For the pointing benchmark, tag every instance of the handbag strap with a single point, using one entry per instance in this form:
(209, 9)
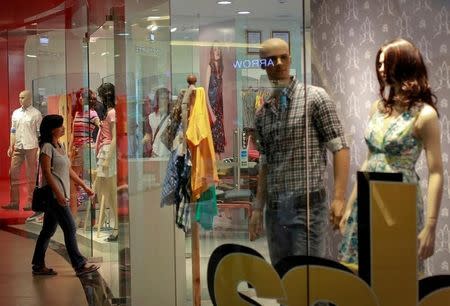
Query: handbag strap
(39, 167)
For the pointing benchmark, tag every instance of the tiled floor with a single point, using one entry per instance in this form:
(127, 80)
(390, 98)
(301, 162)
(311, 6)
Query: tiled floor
(209, 241)
(19, 287)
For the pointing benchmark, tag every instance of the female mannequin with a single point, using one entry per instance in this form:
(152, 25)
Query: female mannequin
(105, 183)
(156, 123)
(82, 141)
(214, 86)
(402, 123)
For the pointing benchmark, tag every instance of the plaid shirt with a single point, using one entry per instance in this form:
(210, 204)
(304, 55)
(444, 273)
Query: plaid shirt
(281, 139)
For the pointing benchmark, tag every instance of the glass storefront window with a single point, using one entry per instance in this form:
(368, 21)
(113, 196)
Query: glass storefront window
(212, 136)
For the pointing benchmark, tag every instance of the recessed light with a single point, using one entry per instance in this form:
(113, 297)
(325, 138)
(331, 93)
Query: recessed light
(123, 34)
(155, 10)
(243, 12)
(31, 55)
(152, 27)
(150, 18)
(104, 53)
(173, 29)
(223, 2)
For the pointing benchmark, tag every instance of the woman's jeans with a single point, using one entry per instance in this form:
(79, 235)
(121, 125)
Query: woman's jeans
(286, 225)
(57, 214)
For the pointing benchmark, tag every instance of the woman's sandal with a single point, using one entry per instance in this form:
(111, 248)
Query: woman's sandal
(44, 271)
(86, 270)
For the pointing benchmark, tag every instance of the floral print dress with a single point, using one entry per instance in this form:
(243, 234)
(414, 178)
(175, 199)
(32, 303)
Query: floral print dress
(392, 148)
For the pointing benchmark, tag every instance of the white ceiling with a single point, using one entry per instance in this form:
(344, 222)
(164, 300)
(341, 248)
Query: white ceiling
(271, 9)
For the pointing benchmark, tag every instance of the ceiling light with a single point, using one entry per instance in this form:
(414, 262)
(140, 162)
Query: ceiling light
(123, 34)
(155, 10)
(104, 53)
(31, 55)
(173, 29)
(152, 27)
(243, 12)
(223, 2)
(150, 18)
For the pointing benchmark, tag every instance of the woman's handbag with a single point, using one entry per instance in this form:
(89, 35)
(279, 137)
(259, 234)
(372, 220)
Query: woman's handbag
(42, 196)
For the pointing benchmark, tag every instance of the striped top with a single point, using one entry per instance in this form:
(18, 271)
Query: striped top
(83, 127)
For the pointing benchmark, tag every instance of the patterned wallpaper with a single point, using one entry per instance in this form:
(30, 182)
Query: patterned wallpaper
(346, 35)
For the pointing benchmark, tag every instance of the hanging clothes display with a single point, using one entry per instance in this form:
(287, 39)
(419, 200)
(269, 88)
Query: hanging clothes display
(200, 143)
(215, 97)
(248, 103)
(168, 135)
(207, 208)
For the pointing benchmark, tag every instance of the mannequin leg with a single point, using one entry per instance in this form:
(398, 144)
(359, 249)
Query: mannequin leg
(86, 217)
(112, 195)
(101, 216)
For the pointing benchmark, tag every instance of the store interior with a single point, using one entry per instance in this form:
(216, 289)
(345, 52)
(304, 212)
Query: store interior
(156, 46)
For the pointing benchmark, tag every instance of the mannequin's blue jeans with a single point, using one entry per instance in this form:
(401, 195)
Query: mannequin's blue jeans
(286, 225)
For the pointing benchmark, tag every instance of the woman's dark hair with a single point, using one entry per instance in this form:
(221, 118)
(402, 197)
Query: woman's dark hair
(107, 94)
(404, 67)
(48, 124)
(212, 59)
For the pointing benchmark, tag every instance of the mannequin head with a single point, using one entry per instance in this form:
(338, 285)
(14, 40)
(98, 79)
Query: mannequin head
(107, 94)
(276, 50)
(25, 98)
(162, 99)
(216, 58)
(81, 96)
(401, 69)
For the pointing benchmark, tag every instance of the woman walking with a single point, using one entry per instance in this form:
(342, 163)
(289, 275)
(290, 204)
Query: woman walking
(56, 172)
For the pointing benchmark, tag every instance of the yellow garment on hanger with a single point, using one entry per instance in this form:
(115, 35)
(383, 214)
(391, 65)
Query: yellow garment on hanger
(258, 101)
(200, 142)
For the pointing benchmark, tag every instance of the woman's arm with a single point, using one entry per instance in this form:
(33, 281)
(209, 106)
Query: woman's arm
(428, 130)
(74, 176)
(46, 162)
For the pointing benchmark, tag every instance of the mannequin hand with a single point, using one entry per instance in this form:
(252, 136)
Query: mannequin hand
(256, 224)
(336, 212)
(343, 223)
(426, 242)
(61, 199)
(10, 151)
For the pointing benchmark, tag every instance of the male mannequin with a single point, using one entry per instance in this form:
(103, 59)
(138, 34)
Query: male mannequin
(23, 146)
(282, 178)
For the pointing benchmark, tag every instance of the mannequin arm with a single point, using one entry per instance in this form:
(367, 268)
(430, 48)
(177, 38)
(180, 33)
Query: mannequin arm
(341, 164)
(12, 142)
(429, 132)
(351, 201)
(112, 151)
